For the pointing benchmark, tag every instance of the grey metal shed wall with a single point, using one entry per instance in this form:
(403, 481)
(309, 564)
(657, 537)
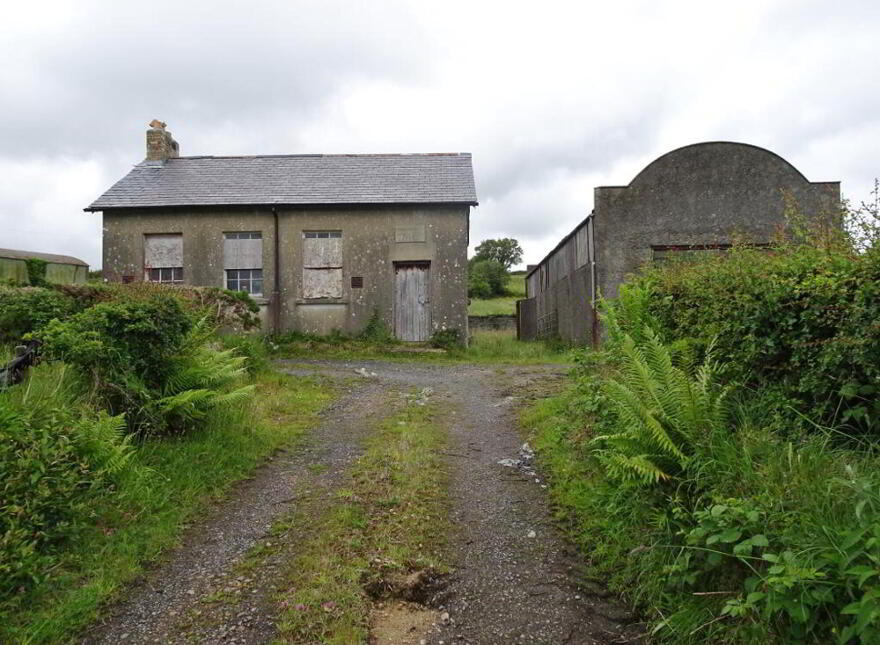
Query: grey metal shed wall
(559, 290)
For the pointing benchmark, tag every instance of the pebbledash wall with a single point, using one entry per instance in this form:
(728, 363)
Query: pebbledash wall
(701, 197)
(370, 250)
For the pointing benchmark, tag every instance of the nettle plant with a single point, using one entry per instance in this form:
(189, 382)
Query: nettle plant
(827, 591)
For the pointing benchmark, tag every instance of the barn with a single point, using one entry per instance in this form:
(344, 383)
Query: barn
(693, 200)
(54, 268)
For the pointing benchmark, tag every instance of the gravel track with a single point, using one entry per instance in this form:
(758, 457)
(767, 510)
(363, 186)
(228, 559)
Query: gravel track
(514, 575)
(514, 578)
(173, 602)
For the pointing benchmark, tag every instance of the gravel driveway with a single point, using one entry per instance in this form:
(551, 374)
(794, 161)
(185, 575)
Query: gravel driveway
(513, 573)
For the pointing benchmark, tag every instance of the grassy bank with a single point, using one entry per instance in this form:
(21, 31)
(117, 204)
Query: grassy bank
(165, 485)
(504, 305)
(384, 525)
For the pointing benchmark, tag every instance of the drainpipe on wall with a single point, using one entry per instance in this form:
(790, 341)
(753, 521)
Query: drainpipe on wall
(276, 289)
(591, 242)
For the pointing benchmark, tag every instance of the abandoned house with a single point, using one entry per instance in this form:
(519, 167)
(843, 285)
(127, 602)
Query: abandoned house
(59, 269)
(693, 200)
(321, 242)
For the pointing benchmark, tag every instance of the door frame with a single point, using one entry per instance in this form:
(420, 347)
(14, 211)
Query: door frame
(426, 264)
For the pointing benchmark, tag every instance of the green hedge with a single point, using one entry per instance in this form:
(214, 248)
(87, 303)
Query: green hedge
(800, 322)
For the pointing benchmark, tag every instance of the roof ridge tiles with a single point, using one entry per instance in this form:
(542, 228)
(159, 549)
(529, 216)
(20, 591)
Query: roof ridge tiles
(326, 155)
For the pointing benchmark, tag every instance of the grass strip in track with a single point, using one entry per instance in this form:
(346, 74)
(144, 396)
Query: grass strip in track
(385, 524)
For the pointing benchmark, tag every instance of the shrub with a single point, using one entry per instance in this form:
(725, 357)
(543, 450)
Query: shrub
(148, 360)
(797, 320)
(56, 459)
(746, 527)
(29, 309)
(113, 342)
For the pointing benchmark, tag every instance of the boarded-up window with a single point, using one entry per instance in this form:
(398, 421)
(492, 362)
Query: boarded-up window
(243, 261)
(163, 257)
(243, 250)
(687, 252)
(322, 264)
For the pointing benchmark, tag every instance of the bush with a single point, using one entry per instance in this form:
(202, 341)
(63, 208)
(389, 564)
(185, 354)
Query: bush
(800, 321)
(56, 459)
(148, 360)
(747, 535)
(29, 309)
(486, 278)
(726, 523)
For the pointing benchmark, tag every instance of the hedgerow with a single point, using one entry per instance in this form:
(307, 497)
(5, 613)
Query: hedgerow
(802, 323)
(121, 365)
(717, 458)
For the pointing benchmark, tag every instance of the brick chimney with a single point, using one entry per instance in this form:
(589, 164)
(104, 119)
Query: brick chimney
(160, 144)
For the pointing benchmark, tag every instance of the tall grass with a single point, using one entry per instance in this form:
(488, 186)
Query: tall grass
(169, 481)
(502, 346)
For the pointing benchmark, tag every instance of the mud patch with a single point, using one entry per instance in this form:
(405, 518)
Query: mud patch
(401, 623)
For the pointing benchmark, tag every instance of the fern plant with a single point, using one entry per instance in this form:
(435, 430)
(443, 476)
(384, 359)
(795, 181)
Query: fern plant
(659, 409)
(200, 380)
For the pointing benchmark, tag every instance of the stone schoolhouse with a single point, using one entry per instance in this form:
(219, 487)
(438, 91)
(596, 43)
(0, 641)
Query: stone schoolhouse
(321, 242)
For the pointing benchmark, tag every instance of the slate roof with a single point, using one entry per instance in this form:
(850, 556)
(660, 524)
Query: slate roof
(295, 179)
(48, 257)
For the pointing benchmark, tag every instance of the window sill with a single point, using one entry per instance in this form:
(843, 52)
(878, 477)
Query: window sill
(320, 301)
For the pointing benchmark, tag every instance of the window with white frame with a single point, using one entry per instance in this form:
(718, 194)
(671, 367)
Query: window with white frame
(243, 261)
(322, 264)
(163, 258)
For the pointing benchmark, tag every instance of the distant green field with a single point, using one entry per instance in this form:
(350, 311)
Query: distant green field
(506, 305)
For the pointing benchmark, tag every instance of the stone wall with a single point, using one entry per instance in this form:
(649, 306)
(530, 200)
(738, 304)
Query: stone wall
(501, 322)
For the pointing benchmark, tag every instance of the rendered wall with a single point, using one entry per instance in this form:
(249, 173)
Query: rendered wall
(708, 193)
(437, 234)
(705, 194)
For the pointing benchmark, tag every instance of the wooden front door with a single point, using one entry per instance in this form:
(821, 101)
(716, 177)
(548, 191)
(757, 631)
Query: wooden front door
(412, 301)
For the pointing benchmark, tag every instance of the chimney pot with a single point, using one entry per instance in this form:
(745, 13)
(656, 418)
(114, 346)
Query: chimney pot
(160, 144)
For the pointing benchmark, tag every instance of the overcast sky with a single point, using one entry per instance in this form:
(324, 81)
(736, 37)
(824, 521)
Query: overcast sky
(552, 98)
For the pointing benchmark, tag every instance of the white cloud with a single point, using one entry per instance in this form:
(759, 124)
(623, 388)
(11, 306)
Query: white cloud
(552, 98)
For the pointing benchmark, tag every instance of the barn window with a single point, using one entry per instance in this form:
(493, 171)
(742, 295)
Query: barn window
(163, 258)
(243, 261)
(322, 264)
